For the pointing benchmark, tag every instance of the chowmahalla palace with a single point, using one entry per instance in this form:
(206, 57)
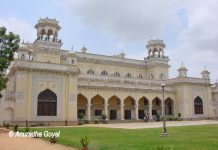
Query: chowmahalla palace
(47, 84)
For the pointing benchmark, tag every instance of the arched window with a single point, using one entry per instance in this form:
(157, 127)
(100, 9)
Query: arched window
(104, 73)
(22, 56)
(139, 76)
(128, 75)
(198, 105)
(90, 71)
(162, 76)
(47, 103)
(151, 76)
(72, 61)
(117, 74)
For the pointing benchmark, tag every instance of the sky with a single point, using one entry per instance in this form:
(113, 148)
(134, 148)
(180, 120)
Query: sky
(188, 28)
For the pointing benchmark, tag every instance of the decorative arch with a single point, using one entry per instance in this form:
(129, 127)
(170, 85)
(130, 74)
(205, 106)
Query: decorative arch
(97, 103)
(114, 107)
(47, 103)
(114, 100)
(117, 74)
(143, 101)
(169, 106)
(143, 110)
(198, 105)
(128, 75)
(104, 73)
(156, 107)
(90, 71)
(82, 102)
(129, 107)
(139, 76)
(129, 101)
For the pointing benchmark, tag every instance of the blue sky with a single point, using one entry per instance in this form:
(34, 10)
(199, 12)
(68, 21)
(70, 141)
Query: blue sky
(189, 29)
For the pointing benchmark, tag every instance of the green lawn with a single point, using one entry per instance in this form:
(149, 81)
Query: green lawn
(203, 137)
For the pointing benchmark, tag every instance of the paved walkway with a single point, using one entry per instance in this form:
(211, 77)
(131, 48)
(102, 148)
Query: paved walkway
(142, 125)
(15, 143)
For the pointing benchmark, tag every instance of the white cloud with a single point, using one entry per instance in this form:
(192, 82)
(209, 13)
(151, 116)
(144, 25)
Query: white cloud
(127, 19)
(25, 30)
(198, 41)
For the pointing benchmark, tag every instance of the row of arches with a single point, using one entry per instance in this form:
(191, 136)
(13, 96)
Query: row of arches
(129, 108)
(114, 107)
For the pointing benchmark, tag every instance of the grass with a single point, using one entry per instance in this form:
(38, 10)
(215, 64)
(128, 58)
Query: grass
(203, 137)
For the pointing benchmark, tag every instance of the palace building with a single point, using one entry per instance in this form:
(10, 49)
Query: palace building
(50, 85)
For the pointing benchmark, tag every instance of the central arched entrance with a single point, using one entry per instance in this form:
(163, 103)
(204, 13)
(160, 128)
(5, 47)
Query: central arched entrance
(169, 107)
(156, 107)
(129, 108)
(114, 108)
(143, 107)
(97, 107)
(47, 103)
(198, 105)
(82, 105)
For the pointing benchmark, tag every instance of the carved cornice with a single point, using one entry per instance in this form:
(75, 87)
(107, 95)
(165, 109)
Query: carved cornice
(109, 60)
(41, 66)
(47, 44)
(188, 80)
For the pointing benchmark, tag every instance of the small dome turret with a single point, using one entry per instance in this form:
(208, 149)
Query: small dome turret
(182, 71)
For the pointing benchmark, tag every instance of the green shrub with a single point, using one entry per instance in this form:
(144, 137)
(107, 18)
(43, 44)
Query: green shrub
(158, 117)
(84, 142)
(179, 115)
(80, 116)
(80, 123)
(96, 121)
(86, 122)
(16, 127)
(26, 129)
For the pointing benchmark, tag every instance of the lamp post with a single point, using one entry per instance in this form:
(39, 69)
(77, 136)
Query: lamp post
(164, 131)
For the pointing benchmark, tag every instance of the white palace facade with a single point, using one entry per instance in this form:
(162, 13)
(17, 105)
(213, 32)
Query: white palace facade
(50, 85)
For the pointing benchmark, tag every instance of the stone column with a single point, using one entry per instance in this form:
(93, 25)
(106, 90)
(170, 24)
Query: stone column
(121, 111)
(106, 110)
(150, 112)
(136, 111)
(89, 110)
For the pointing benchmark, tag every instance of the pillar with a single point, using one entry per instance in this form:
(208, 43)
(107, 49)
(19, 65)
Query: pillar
(106, 110)
(150, 112)
(136, 111)
(121, 111)
(89, 110)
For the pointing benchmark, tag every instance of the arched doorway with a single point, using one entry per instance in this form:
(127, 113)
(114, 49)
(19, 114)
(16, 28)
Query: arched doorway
(82, 105)
(156, 107)
(129, 108)
(97, 107)
(198, 105)
(114, 108)
(47, 103)
(169, 106)
(143, 107)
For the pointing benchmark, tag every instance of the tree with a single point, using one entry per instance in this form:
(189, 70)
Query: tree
(9, 43)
